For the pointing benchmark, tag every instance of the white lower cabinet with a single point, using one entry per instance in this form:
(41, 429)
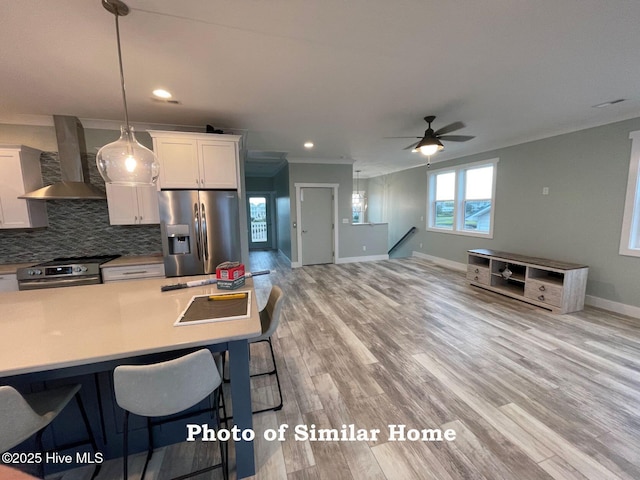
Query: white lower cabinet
(132, 205)
(132, 272)
(8, 282)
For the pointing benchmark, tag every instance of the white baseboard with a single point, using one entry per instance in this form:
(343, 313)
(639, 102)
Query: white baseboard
(442, 261)
(610, 305)
(367, 258)
(364, 258)
(285, 256)
(617, 307)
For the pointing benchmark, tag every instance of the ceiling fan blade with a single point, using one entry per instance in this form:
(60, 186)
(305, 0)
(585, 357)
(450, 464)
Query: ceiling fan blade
(455, 138)
(401, 137)
(412, 146)
(450, 128)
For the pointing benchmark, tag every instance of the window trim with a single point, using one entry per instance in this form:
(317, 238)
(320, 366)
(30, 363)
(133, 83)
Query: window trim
(458, 202)
(631, 216)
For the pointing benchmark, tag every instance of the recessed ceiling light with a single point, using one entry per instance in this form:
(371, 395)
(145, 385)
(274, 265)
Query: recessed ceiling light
(160, 93)
(308, 145)
(606, 104)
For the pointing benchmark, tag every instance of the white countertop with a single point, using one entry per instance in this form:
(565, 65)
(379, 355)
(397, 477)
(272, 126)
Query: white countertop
(62, 327)
(11, 268)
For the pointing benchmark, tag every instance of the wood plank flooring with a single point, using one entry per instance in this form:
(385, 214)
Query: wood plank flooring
(530, 394)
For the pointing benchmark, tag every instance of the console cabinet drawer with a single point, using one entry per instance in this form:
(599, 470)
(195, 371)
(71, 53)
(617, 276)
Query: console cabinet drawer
(476, 273)
(543, 292)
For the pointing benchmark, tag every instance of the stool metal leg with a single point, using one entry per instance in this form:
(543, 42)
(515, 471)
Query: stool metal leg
(92, 438)
(272, 372)
(125, 446)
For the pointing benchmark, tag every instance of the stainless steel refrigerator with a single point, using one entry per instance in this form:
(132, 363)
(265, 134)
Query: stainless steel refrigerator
(200, 229)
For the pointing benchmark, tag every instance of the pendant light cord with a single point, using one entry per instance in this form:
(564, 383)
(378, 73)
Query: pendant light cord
(124, 97)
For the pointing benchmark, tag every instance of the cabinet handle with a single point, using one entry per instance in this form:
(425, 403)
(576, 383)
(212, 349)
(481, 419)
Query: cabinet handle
(475, 278)
(140, 218)
(542, 289)
(541, 298)
(135, 219)
(139, 272)
(477, 271)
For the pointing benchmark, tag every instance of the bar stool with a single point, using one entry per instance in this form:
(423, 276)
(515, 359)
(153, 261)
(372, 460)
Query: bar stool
(269, 320)
(22, 416)
(168, 388)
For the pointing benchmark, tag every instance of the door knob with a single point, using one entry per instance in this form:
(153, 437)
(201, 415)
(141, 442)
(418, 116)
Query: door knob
(304, 231)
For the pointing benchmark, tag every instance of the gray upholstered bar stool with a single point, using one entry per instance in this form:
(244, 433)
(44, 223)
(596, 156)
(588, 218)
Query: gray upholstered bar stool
(168, 388)
(22, 416)
(269, 319)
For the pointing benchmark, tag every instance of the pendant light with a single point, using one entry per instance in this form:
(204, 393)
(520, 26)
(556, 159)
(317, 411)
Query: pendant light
(125, 161)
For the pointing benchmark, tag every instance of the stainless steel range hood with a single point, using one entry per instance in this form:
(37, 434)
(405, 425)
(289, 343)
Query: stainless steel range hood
(73, 165)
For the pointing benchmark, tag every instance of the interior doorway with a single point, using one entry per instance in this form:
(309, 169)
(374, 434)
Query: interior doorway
(259, 214)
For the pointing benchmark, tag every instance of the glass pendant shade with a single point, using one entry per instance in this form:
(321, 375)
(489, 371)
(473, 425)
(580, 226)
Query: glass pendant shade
(428, 149)
(429, 145)
(127, 162)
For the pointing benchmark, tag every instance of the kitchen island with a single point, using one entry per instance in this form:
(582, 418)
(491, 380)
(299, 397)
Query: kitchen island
(85, 331)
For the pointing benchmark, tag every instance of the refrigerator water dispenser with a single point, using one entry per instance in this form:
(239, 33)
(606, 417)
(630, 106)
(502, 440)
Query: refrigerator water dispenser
(179, 239)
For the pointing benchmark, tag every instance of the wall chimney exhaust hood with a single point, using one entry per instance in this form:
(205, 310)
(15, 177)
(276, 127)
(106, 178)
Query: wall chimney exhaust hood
(73, 165)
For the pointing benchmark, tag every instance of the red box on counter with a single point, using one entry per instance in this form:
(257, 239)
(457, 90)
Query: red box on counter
(230, 271)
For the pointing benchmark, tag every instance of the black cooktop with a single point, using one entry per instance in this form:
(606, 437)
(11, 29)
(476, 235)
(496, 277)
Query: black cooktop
(99, 259)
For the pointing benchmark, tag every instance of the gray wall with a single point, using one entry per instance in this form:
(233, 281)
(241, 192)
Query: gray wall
(44, 138)
(259, 184)
(350, 243)
(579, 221)
(283, 214)
(364, 235)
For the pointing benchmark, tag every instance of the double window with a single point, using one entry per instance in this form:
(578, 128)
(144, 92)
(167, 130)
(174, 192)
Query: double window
(461, 199)
(630, 241)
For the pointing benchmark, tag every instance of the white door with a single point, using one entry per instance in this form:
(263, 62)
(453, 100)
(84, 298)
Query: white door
(316, 218)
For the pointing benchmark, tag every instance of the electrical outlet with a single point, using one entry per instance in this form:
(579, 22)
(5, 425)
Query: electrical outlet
(364, 248)
(420, 245)
(545, 190)
(345, 220)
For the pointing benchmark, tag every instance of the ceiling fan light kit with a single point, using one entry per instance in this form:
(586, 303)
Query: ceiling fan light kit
(430, 143)
(125, 161)
(429, 146)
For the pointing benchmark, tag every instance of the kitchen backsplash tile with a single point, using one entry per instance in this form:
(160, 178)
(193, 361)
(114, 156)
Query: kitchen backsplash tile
(76, 227)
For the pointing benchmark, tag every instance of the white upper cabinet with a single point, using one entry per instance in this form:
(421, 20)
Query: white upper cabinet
(132, 205)
(196, 160)
(21, 173)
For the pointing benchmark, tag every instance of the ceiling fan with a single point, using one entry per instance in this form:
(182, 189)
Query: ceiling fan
(431, 142)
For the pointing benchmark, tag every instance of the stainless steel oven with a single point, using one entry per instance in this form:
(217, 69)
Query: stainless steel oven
(62, 272)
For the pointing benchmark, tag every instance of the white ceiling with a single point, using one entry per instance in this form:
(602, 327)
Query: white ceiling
(343, 74)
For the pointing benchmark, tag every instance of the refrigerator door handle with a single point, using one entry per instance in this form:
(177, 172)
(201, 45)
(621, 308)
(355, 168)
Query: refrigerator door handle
(196, 221)
(205, 236)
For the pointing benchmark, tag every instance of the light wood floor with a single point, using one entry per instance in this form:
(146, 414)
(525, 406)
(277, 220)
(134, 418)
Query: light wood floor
(530, 395)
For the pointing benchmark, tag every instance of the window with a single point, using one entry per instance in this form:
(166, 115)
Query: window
(630, 240)
(358, 206)
(461, 199)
